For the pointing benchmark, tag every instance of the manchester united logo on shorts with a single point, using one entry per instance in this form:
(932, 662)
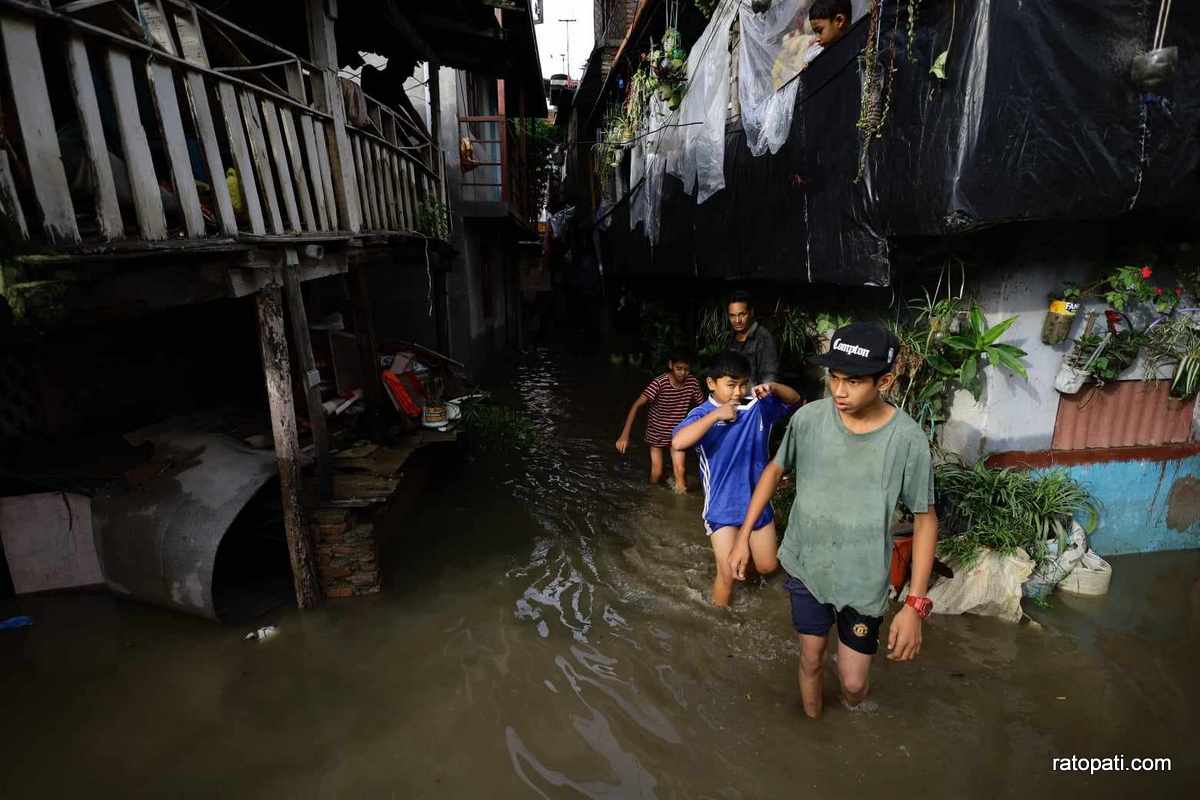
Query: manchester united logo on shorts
(860, 630)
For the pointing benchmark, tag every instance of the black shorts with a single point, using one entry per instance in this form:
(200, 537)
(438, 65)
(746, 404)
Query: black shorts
(814, 618)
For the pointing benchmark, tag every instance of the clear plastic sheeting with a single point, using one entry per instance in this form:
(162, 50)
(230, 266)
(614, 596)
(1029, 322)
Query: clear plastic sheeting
(773, 47)
(776, 46)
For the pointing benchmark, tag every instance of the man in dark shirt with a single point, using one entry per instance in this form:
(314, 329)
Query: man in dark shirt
(752, 340)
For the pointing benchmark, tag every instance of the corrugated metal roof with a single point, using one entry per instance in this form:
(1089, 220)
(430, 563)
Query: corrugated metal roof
(1122, 414)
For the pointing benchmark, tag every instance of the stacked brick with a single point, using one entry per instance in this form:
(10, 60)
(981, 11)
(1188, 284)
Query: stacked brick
(347, 554)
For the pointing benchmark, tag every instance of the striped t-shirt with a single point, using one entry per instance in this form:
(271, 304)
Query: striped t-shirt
(669, 404)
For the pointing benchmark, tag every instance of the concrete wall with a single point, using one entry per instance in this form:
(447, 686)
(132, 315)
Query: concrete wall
(475, 334)
(1149, 504)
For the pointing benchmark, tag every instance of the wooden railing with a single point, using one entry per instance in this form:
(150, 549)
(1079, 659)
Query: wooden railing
(117, 139)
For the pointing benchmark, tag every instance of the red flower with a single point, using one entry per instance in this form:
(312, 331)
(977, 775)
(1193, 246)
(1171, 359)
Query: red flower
(1146, 272)
(1158, 290)
(1179, 291)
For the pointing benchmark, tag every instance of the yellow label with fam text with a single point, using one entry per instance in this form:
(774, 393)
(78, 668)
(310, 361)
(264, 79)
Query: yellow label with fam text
(1065, 307)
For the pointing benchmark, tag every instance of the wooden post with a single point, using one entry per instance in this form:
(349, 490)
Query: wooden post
(277, 369)
(505, 194)
(310, 377)
(327, 95)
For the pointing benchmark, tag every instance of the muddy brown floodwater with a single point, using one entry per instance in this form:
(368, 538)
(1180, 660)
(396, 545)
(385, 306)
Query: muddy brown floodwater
(543, 633)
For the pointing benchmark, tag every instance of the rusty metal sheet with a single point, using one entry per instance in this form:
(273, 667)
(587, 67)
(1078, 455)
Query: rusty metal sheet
(1122, 414)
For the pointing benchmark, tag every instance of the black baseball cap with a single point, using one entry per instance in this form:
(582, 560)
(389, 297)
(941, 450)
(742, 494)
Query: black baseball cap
(860, 348)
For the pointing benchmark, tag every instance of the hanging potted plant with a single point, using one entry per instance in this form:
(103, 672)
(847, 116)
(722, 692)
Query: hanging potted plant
(1175, 341)
(1064, 306)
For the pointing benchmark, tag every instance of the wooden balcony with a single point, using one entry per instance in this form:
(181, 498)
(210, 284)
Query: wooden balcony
(115, 144)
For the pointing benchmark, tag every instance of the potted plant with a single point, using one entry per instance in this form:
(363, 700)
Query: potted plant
(1100, 358)
(1175, 342)
(1064, 306)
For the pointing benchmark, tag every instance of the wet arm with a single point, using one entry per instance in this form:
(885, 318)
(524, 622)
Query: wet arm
(632, 415)
(925, 532)
(763, 493)
(690, 436)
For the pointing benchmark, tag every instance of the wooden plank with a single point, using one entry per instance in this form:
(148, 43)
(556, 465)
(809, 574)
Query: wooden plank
(287, 186)
(108, 209)
(302, 347)
(325, 144)
(394, 181)
(143, 183)
(156, 25)
(10, 204)
(207, 132)
(302, 191)
(389, 186)
(327, 96)
(36, 122)
(389, 127)
(262, 159)
(368, 218)
(295, 81)
(410, 191)
(387, 200)
(406, 217)
(191, 41)
(373, 187)
(167, 102)
(315, 171)
(248, 186)
(277, 371)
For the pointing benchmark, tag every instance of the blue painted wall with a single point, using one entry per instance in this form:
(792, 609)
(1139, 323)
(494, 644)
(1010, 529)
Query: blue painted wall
(1136, 497)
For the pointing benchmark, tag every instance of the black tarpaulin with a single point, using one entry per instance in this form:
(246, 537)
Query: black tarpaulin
(1038, 119)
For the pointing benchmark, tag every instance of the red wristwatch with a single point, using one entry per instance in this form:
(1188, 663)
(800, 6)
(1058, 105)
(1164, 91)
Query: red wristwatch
(922, 605)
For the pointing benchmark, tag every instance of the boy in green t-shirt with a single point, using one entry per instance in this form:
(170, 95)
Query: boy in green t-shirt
(853, 456)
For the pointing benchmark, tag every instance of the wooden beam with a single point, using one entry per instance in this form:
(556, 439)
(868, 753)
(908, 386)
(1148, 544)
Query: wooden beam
(317, 171)
(143, 183)
(278, 374)
(309, 377)
(327, 96)
(10, 204)
(108, 209)
(167, 102)
(38, 133)
(206, 130)
(262, 158)
(287, 188)
(248, 186)
(301, 174)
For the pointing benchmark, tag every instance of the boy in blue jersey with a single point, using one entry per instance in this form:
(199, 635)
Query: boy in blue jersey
(731, 434)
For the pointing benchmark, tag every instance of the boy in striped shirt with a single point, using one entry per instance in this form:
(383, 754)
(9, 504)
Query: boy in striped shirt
(670, 397)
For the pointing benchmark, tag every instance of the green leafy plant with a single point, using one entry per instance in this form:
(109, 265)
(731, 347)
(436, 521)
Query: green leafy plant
(1005, 509)
(933, 362)
(498, 427)
(433, 218)
(1118, 355)
(542, 142)
(712, 331)
(1175, 342)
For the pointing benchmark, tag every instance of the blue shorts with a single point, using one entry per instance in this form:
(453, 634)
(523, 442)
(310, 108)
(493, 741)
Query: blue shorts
(814, 618)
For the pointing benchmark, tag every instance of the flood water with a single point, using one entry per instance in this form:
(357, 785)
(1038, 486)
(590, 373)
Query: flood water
(543, 632)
